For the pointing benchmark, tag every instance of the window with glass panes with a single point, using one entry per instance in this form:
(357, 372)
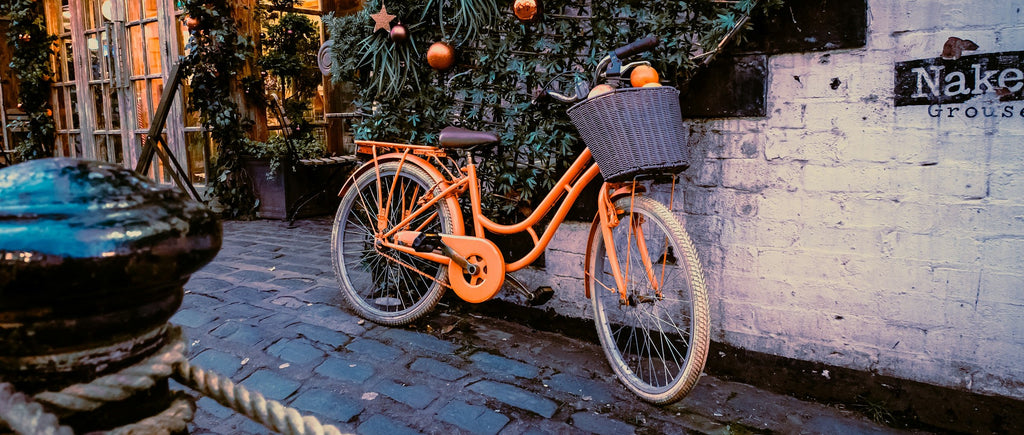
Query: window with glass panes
(111, 61)
(198, 146)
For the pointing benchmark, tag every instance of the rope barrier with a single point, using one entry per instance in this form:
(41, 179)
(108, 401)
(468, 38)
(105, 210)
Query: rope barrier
(121, 385)
(28, 415)
(172, 420)
(24, 416)
(269, 413)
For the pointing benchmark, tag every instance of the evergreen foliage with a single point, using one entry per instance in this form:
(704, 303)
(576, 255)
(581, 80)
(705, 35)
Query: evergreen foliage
(289, 53)
(502, 64)
(32, 47)
(217, 55)
(216, 52)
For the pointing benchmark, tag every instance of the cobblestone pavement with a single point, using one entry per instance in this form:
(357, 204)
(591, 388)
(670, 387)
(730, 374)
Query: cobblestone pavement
(267, 313)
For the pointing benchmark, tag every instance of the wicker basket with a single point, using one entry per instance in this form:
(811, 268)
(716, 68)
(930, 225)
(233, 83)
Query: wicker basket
(633, 131)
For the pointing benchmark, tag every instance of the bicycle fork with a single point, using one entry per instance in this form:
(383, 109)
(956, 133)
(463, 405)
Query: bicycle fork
(609, 219)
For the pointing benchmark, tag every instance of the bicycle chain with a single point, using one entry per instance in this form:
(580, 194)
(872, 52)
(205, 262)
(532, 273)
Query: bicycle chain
(411, 267)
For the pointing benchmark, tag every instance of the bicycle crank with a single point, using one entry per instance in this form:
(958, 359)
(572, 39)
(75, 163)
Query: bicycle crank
(476, 270)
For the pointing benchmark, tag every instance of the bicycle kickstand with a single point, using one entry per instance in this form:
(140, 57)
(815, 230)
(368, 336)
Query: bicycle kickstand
(537, 297)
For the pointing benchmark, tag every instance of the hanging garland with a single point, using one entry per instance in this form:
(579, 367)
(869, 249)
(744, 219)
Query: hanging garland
(216, 52)
(502, 54)
(32, 47)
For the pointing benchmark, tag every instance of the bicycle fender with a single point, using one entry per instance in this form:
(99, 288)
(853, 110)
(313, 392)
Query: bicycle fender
(458, 226)
(595, 231)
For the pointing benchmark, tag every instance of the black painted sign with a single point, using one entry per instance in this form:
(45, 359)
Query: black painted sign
(940, 81)
(736, 86)
(810, 25)
(730, 86)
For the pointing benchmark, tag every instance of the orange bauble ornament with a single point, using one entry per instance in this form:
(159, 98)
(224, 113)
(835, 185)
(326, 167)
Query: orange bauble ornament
(440, 56)
(643, 75)
(526, 10)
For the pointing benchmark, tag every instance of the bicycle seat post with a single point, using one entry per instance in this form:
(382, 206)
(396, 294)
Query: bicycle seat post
(467, 153)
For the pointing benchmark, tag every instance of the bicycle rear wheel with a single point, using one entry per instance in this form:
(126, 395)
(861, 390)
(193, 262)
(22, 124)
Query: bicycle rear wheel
(656, 340)
(384, 285)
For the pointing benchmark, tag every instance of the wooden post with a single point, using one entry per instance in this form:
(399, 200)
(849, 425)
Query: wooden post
(248, 27)
(338, 108)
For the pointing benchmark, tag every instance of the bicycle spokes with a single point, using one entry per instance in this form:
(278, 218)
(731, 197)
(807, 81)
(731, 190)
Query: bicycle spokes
(385, 284)
(654, 328)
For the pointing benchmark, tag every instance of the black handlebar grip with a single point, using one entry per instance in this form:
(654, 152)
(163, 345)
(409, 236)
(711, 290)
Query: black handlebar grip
(636, 47)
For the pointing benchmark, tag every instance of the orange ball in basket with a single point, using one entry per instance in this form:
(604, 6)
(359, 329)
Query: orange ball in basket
(602, 88)
(643, 75)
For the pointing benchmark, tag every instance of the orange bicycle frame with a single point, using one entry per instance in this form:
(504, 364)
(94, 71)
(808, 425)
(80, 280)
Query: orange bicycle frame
(571, 184)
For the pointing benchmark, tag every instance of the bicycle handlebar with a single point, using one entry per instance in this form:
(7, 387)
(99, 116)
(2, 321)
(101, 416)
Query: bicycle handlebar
(636, 47)
(631, 49)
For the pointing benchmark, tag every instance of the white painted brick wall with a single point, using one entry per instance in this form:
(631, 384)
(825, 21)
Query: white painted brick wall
(841, 229)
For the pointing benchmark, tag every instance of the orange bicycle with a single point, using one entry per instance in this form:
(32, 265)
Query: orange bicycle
(399, 241)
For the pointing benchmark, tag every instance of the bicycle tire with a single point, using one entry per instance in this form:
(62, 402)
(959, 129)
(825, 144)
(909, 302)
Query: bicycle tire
(376, 286)
(656, 344)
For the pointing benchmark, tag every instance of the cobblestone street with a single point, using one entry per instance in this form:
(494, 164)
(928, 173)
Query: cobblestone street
(267, 313)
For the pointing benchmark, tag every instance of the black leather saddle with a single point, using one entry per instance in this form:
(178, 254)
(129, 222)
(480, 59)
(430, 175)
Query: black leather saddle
(455, 137)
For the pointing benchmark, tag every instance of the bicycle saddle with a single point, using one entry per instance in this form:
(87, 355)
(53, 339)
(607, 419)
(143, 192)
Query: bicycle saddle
(455, 137)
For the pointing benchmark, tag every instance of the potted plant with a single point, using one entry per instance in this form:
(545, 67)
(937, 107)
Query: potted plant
(284, 187)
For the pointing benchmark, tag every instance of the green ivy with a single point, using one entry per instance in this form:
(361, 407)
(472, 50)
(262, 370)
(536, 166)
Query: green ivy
(277, 152)
(289, 52)
(502, 64)
(32, 47)
(216, 53)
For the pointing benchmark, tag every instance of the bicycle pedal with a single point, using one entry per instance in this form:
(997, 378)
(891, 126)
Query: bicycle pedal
(541, 296)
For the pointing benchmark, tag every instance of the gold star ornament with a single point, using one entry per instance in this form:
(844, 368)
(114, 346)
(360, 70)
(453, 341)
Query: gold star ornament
(382, 19)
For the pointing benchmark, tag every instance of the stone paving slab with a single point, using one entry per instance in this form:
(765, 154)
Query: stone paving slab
(329, 406)
(267, 314)
(503, 368)
(475, 419)
(517, 397)
(342, 369)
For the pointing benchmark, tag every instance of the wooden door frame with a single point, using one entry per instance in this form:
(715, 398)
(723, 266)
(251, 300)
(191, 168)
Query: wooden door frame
(6, 144)
(79, 50)
(128, 112)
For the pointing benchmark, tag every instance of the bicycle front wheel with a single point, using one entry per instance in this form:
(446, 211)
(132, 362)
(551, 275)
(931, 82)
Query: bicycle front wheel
(656, 337)
(384, 285)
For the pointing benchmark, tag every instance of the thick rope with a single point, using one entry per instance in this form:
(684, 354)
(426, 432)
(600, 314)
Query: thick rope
(24, 416)
(172, 420)
(270, 413)
(121, 385)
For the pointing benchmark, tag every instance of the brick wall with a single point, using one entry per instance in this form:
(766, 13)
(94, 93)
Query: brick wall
(844, 230)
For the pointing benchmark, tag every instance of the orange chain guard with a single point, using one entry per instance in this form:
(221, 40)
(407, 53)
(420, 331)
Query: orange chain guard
(490, 264)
